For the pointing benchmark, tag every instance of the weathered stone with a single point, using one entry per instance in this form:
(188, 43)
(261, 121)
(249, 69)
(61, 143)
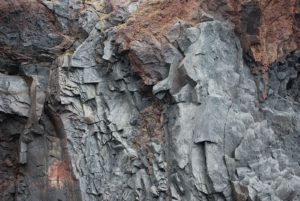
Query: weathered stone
(149, 100)
(85, 55)
(15, 97)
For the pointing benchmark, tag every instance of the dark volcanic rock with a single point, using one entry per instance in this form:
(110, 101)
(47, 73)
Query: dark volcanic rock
(29, 32)
(149, 100)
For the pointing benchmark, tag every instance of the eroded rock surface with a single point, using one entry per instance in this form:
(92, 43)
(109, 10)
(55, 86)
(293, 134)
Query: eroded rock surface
(268, 30)
(149, 100)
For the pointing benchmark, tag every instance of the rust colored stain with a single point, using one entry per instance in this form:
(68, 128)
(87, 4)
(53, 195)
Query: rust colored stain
(268, 29)
(148, 25)
(59, 175)
(150, 128)
(156, 17)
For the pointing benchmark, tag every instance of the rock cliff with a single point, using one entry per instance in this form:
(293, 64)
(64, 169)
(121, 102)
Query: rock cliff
(149, 100)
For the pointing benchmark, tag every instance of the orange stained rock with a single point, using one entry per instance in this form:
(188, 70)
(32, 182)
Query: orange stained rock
(148, 25)
(59, 175)
(157, 16)
(268, 29)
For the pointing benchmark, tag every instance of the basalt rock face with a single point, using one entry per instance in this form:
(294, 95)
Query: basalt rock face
(149, 100)
(268, 30)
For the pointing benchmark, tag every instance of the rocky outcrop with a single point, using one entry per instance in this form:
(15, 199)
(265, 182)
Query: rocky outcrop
(218, 140)
(29, 33)
(268, 30)
(149, 100)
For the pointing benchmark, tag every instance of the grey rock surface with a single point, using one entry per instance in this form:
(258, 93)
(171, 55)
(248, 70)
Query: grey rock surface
(223, 143)
(15, 98)
(83, 125)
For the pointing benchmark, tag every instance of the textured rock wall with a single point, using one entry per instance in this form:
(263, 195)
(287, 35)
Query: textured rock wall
(149, 100)
(268, 29)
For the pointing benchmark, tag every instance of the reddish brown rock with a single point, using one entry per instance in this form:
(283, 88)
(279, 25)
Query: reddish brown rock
(268, 30)
(10, 127)
(59, 175)
(29, 32)
(147, 28)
